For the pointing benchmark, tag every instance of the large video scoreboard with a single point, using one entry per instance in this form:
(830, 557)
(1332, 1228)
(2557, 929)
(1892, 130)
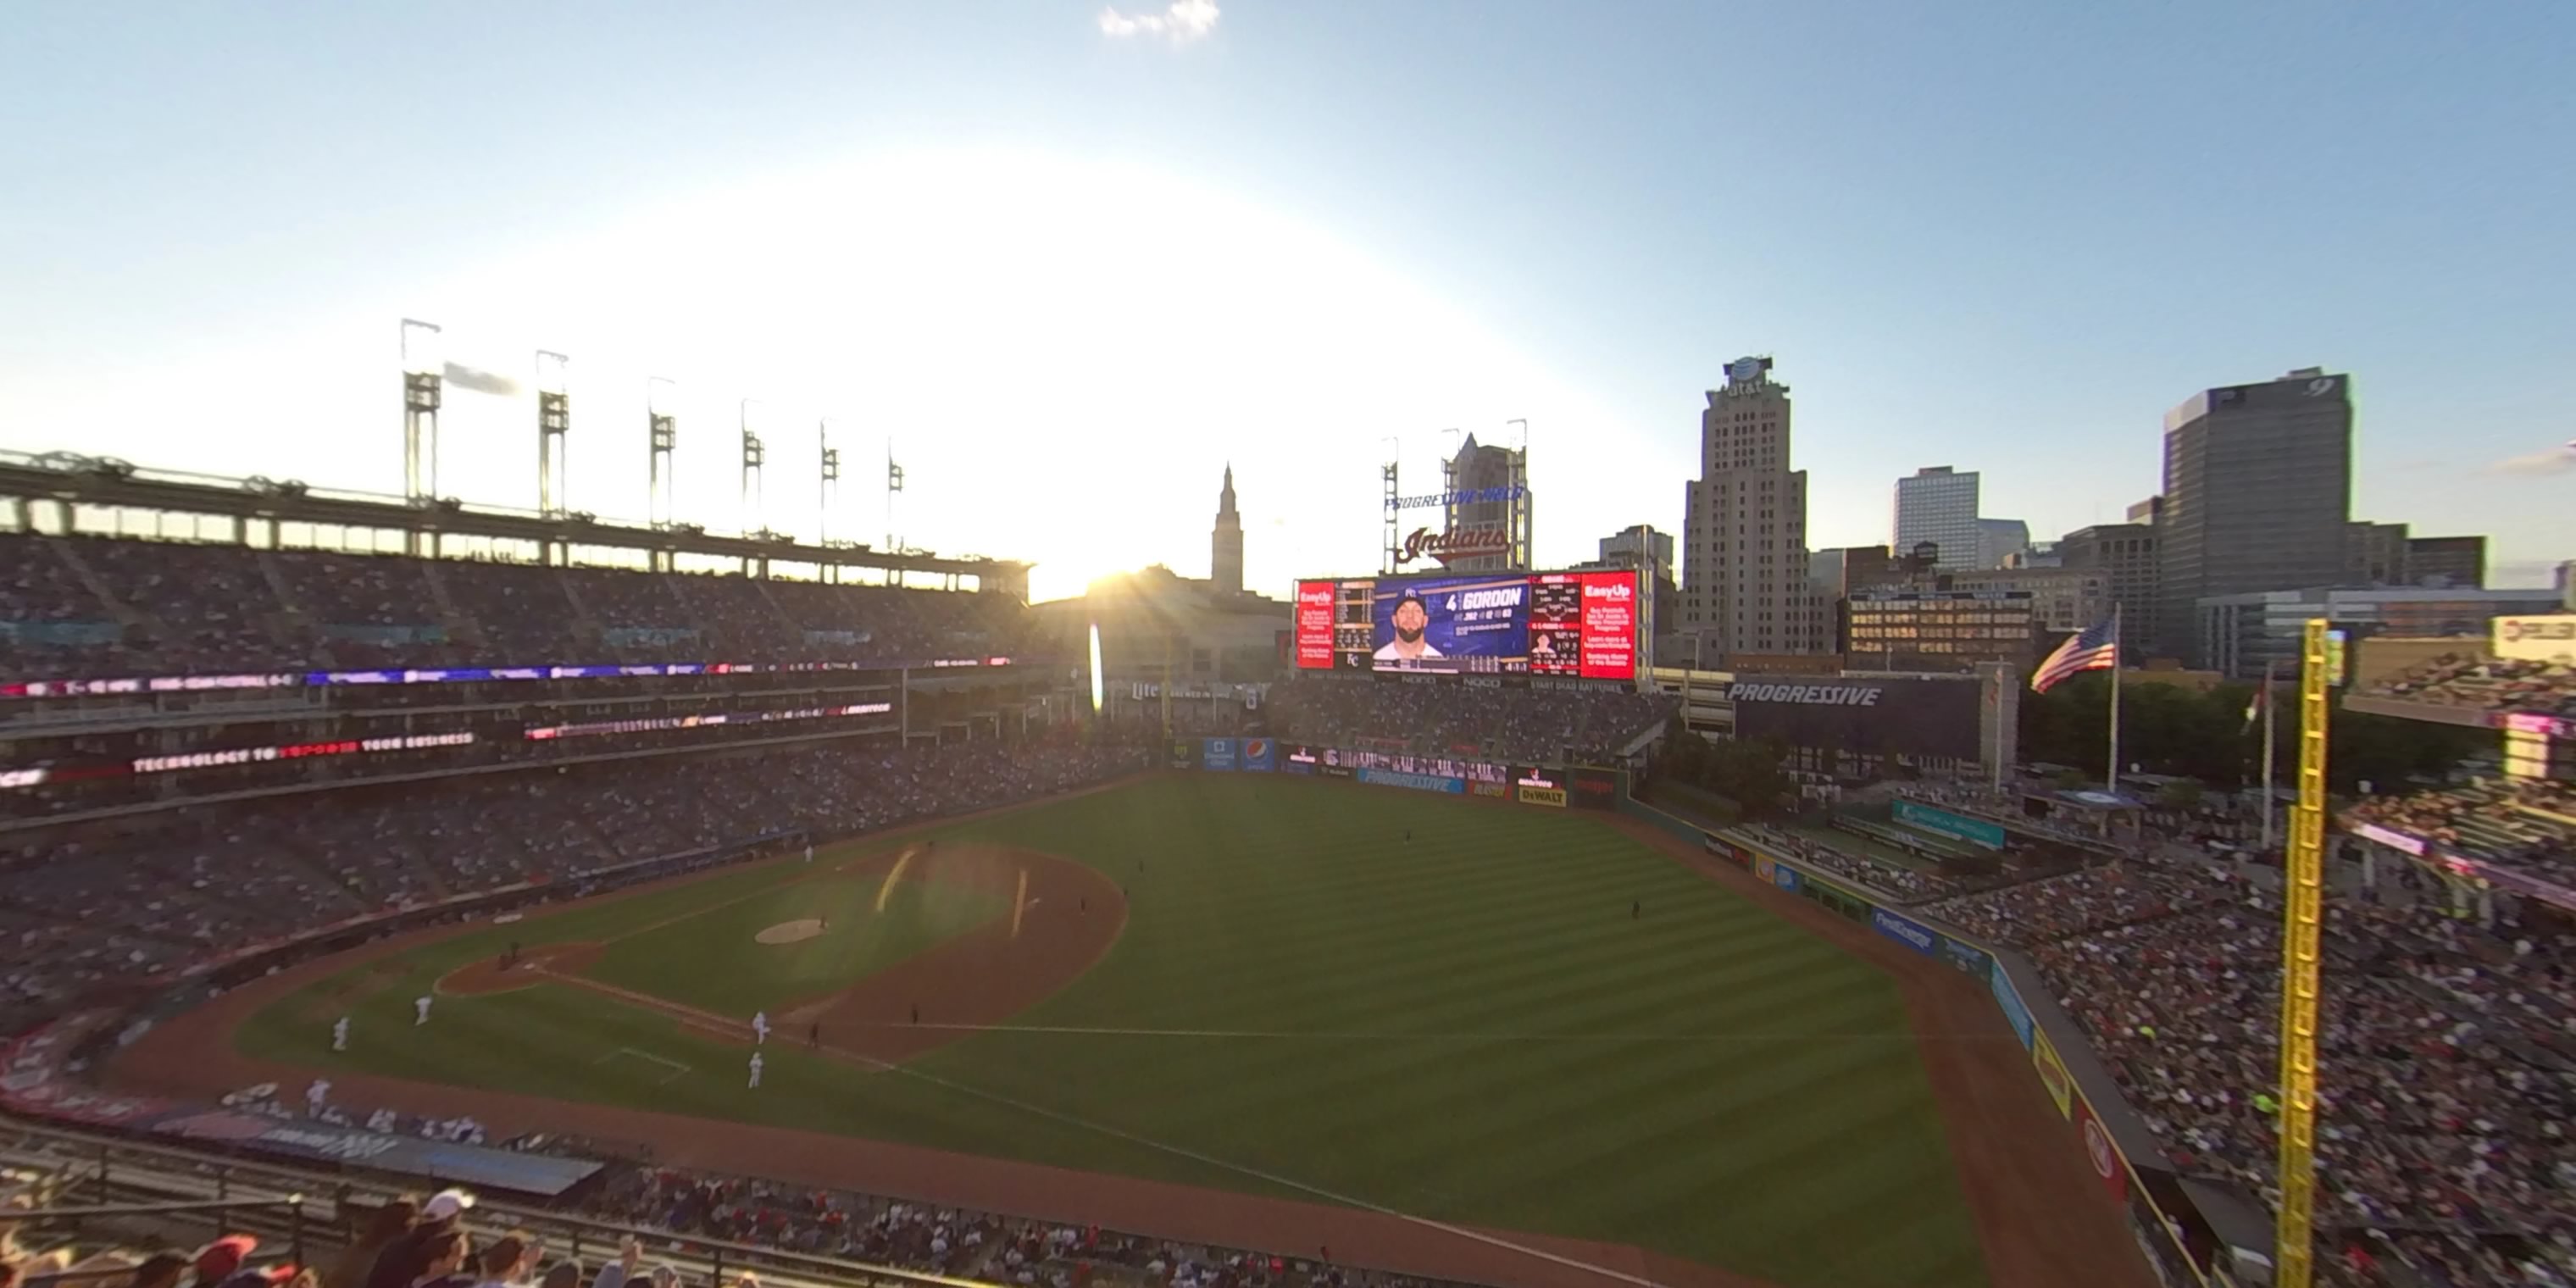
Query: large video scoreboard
(1577, 625)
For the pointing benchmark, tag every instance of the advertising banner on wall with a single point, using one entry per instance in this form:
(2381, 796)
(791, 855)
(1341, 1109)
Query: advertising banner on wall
(1497, 791)
(2052, 1072)
(1968, 958)
(1975, 831)
(1904, 930)
(1417, 782)
(2100, 1152)
(1785, 877)
(1298, 760)
(2015, 1014)
(1259, 755)
(1217, 754)
(2534, 639)
(1862, 715)
(1534, 786)
(1185, 754)
(1593, 788)
(1762, 866)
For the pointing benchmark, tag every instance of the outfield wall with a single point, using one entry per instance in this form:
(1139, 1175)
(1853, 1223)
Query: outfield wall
(2173, 1226)
(1547, 786)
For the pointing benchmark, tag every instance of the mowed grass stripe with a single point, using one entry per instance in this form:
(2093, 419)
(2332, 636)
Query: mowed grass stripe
(1258, 903)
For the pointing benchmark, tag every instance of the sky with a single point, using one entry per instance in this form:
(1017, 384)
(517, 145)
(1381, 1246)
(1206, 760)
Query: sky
(1065, 263)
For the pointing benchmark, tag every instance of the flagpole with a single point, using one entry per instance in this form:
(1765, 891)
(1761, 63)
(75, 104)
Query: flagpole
(2265, 697)
(2111, 781)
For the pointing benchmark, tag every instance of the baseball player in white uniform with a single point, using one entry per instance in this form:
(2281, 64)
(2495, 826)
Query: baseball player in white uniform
(420, 1010)
(755, 1069)
(760, 1028)
(809, 851)
(317, 1095)
(340, 1034)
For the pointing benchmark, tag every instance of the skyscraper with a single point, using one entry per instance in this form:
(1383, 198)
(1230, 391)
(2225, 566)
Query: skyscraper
(1498, 472)
(1225, 543)
(2127, 552)
(1939, 505)
(1744, 535)
(2258, 496)
(1999, 540)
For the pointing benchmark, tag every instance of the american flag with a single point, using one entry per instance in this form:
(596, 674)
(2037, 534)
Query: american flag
(2096, 649)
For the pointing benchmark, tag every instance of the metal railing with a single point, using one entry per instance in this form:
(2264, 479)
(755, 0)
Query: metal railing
(132, 1179)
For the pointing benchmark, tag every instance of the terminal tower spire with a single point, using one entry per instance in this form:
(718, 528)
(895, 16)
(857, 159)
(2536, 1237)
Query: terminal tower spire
(1225, 544)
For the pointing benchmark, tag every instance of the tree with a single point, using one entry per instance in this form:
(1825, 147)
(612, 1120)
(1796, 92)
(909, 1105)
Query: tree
(2181, 793)
(2169, 729)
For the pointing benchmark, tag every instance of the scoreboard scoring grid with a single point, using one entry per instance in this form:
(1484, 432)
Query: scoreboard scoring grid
(1576, 625)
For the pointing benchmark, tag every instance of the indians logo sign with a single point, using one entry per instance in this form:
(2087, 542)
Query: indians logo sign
(1470, 543)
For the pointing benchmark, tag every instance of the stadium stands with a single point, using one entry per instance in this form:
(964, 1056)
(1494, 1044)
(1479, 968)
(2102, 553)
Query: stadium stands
(95, 606)
(2529, 824)
(2443, 1143)
(1533, 726)
(2486, 684)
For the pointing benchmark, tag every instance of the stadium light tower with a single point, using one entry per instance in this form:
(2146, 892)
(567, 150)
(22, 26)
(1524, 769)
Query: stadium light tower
(829, 487)
(424, 371)
(894, 484)
(1524, 546)
(754, 458)
(554, 422)
(1388, 539)
(662, 436)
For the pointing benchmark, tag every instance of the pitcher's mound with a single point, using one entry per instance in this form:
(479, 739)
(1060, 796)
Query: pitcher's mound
(788, 932)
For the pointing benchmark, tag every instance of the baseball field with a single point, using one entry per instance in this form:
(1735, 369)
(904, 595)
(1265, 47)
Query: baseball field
(1448, 1011)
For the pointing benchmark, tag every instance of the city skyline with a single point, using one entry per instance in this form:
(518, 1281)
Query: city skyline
(1046, 258)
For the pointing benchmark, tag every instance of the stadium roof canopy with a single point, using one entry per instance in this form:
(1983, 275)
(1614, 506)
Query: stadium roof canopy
(76, 480)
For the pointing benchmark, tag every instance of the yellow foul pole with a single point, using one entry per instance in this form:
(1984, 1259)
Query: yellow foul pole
(2293, 1257)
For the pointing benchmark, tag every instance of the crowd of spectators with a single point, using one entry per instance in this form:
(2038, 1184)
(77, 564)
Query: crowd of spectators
(97, 606)
(960, 1244)
(402, 1242)
(2486, 684)
(2528, 824)
(2450, 1078)
(1529, 726)
(1899, 883)
(91, 906)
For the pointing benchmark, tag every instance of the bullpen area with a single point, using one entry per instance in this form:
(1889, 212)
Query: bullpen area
(1530, 1033)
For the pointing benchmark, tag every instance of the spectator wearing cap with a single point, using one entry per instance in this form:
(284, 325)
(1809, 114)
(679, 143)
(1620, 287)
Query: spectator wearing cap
(217, 1261)
(401, 1264)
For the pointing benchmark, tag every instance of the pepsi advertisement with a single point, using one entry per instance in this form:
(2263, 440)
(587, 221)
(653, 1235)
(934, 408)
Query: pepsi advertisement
(1580, 625)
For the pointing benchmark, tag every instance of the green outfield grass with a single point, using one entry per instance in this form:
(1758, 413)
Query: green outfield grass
(1467, 1026)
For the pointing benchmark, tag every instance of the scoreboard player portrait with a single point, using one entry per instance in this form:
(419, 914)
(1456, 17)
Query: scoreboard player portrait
(1411, 622)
